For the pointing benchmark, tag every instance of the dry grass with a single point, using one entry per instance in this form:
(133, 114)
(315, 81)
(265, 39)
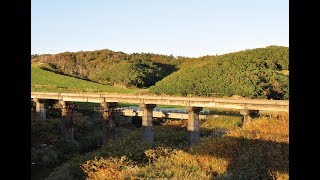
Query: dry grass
(259, 150)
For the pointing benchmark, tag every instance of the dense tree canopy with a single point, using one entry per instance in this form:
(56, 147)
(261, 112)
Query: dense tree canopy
(255, 73)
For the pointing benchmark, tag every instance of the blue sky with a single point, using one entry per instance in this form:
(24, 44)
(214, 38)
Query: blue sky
(179, 27)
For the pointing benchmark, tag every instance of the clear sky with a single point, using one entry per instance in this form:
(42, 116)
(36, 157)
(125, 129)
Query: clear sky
(179, 27)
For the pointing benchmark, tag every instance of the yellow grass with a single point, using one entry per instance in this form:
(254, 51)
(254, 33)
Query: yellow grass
(259, 150)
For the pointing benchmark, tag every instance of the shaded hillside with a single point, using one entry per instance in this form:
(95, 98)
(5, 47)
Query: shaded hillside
(256, 73)
(42, 80)
(109, 67)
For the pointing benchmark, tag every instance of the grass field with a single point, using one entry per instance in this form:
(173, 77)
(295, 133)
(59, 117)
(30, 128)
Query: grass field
(42, 80)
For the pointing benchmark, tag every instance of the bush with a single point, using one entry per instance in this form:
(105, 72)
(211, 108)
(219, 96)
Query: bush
(110, 168)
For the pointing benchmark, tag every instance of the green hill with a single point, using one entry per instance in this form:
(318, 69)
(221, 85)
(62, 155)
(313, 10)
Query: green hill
(42, 80)
(256, 73)
(109, 67)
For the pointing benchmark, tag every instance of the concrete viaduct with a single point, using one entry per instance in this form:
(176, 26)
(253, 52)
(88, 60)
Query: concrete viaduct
(109, 102)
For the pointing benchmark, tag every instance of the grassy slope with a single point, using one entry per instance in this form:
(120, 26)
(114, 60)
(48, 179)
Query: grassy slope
(42, 80)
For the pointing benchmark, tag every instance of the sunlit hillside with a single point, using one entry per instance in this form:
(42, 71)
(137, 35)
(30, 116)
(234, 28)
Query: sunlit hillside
(42, 80)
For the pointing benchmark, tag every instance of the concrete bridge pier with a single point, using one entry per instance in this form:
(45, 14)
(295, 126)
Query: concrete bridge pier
(40, 110)
(248, 115)
(193, 124)
(129, 119)
(67, 120)
(147, 130)
(109, 126)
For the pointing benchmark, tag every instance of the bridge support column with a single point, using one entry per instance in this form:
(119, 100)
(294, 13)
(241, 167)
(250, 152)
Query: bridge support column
(109, 125)
(147, 130)
(193, 124)
(129, 119)
(67, 120)
(40, 110)
(248, 115)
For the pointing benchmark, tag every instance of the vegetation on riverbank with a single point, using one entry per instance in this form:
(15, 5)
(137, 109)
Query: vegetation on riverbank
(259, 150)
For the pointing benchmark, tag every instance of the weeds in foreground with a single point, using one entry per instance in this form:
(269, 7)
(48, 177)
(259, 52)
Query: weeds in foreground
(259, 150)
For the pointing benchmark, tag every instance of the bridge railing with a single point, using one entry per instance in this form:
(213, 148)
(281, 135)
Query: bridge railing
(209, 102)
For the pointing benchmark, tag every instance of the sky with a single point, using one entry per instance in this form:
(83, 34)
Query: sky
(190, 28)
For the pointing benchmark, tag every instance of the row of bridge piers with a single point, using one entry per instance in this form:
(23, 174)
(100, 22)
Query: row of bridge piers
(108, 111)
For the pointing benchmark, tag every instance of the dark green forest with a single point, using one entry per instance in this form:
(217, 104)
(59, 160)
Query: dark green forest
(257, 73)
(254, 73)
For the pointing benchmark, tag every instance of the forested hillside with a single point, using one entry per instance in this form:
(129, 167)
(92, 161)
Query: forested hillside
(256, 73)
(109, 67)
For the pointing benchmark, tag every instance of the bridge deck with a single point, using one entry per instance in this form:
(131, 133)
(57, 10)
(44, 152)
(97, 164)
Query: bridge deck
(227, 103)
